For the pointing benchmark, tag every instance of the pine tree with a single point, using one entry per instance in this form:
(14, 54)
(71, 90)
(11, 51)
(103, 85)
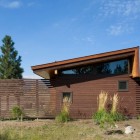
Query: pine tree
(10, 62)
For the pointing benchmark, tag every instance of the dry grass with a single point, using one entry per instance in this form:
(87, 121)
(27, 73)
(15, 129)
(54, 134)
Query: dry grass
(50, 130)
(66, 105)
(102, 100)
(64, 115)
(115, 101)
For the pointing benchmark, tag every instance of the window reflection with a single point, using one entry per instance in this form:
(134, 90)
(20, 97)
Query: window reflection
(115, 67)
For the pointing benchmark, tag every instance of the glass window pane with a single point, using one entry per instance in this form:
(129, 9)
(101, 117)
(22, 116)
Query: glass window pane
(114, 67)
(123, 85)
(67, 97)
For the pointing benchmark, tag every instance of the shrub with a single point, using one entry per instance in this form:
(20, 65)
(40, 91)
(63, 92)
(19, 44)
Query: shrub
(117, 116)
(100, 117)
(64, 115)
(17, 112)
(138, 117)
(104, 117)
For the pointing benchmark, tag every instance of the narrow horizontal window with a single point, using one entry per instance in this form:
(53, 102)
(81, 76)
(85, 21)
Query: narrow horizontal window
(114, 67)
(122, 85)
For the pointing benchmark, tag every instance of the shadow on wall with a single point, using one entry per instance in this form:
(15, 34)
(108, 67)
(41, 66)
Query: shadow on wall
(73, 79)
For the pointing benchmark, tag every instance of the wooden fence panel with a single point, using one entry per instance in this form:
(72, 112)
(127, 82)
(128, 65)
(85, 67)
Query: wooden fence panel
(33, 96)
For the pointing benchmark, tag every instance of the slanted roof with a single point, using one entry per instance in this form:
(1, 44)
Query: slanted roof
(48, 70)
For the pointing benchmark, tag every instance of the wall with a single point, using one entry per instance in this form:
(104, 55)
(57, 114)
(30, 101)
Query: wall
(86, 88)
(35, 97)
(138, 96)
(40, 98)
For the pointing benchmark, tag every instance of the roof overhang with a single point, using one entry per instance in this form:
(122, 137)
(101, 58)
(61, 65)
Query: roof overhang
(50, 69)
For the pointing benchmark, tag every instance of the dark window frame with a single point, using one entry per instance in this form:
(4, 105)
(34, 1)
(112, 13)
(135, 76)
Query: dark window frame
(125, 89)
(67, 92)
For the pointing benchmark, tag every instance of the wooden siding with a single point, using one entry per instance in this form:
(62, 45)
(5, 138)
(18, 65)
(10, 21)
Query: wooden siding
(43, 99)
(138, 96)
(86, 88)
(35, 97)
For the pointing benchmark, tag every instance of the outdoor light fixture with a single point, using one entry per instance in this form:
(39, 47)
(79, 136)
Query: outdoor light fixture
(55, 72)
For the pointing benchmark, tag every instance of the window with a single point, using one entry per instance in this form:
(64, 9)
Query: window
(122, 85)
(113, 67)
(67, 97)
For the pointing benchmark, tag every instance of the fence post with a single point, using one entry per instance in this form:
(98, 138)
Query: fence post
(37, 99)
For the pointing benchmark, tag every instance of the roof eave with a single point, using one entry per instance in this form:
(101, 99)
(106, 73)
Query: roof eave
(47, 70)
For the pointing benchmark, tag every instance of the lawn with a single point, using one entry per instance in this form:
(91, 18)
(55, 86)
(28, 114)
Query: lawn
(74, 130)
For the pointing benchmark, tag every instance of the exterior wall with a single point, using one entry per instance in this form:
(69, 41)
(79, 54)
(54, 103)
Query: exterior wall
(86, 88)
(138, 96)
(40, 98)
(35, 97)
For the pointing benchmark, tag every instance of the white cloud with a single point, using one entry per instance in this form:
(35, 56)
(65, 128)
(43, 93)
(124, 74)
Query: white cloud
(86, 39)
(119, 29)
(124, 14)
(10, 4)
(115, 30)
(30, 4)
(121, 7)
(14, 4)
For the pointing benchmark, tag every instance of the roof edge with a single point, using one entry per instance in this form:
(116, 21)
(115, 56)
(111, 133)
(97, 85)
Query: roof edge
(78, 59)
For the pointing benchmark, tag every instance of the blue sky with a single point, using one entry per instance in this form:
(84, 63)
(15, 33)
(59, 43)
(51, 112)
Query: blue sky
(53, 30)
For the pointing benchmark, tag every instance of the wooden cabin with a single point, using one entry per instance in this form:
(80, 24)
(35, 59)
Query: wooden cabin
(82, 79)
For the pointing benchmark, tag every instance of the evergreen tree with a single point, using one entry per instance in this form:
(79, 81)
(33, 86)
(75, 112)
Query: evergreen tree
(104, 68)
(10, 62)
(118, 69)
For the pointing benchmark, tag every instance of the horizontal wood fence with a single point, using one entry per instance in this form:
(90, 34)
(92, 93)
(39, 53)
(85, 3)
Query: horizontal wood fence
(35, 97)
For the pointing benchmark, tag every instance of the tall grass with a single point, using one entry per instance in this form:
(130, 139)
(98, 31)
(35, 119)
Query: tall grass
(104, 117)
(102, 100)
(64, 115)
(114, 111)
(115, 101)
(101, 116)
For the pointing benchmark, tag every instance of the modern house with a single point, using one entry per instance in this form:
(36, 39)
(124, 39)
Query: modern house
(82, 79)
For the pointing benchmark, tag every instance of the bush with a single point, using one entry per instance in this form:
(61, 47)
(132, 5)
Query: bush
(64, 115)
(104, 118)
(117, 116)
(100, 116)
(17, 112)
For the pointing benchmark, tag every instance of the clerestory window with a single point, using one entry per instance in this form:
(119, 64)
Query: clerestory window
(114, 67)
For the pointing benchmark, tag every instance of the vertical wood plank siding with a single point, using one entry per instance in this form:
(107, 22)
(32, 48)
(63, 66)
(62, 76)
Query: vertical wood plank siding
(86, 88)
(35, 97)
